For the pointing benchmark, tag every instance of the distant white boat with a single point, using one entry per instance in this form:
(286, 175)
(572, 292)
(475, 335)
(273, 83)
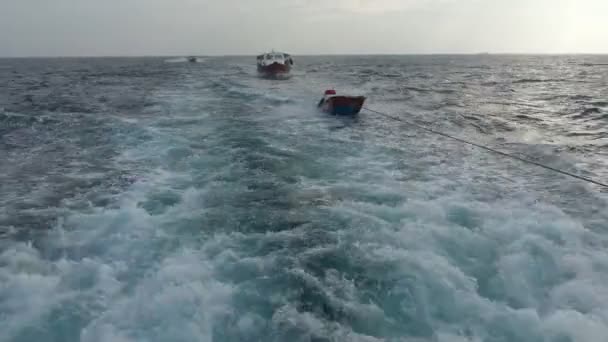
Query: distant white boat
(190, 59)
(274, 64)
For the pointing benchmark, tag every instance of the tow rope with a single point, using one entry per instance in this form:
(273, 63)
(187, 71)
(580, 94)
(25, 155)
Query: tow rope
(489, 149)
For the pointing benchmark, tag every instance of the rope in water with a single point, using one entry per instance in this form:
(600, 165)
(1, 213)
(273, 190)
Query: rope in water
(504, 154)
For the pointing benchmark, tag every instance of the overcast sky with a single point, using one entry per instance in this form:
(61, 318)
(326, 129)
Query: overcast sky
(211, 27)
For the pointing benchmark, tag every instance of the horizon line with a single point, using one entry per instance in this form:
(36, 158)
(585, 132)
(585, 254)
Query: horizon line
(483, 53)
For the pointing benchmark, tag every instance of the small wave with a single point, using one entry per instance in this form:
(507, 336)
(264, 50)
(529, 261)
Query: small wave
(580, 97)
(422, 75)
(276, 99)
(512, 103)
(420, 90)
(587, 112)
(471, 117)
(527, 117)
(424, 90)
(38, 86)
(478, 67)
(577, 98)
(601, 117)
(368, 72)
(391, 75)
(242, 92)
(599, 135)
(537, 80)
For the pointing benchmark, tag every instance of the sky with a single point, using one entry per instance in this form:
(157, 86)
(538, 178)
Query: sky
(246, 27)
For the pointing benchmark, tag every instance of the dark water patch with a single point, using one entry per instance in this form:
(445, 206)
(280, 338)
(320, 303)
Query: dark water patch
(580, 97)
(20, 127)
(502, 126)
(416, 89)
(177, 122)
(485, 125)
(131, 103)
(368, 72)
(527, 117)
(479, 128)
(38, 86)
(471, 117)
(601, 117)
(427, 90)
(452, 103)
(587, 134)
(53, 102)
(477, 67)
(586, 113)
(337, 128)
(600, 136)
(591, 110)
(469, 78)
(8, 119)
(423, 76)
(390, 75)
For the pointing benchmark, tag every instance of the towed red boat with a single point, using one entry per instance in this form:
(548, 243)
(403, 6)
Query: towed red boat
(341, 104)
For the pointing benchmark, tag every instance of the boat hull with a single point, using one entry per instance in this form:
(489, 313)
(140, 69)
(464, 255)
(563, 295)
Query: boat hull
(274, 70)
(343, 105)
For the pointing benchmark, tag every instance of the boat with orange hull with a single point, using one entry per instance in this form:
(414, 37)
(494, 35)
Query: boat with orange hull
(274, 64)
(341, 104)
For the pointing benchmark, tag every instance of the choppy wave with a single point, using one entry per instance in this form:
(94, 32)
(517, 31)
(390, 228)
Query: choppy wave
(589, 112)
(528, 117)
(538, 80)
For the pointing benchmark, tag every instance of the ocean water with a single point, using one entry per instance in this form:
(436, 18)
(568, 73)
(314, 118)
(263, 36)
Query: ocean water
(157, 200)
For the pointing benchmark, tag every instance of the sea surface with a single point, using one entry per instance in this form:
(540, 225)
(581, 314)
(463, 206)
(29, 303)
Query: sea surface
(150, 199)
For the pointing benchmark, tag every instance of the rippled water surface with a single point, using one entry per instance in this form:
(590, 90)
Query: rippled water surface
(154, 200)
